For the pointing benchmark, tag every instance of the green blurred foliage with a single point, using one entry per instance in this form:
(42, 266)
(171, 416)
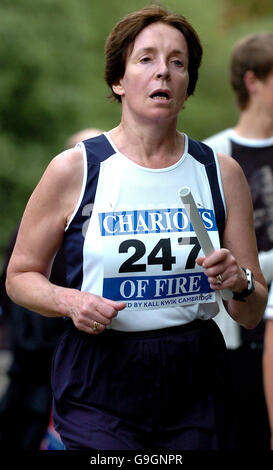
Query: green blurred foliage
(52, 85)
(243, 10)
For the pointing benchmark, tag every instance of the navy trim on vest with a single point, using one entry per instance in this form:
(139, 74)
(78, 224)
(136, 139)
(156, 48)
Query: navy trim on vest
(98, 149)
(205, 155)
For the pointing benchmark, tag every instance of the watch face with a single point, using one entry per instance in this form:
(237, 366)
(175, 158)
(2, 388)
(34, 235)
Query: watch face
(250, 281)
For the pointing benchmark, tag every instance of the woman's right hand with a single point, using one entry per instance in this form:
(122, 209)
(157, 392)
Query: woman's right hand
(92, 313)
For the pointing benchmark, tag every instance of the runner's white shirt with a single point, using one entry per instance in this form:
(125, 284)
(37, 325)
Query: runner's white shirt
(130, 239)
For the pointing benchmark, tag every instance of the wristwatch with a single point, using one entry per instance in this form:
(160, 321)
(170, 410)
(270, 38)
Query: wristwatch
(249, 289)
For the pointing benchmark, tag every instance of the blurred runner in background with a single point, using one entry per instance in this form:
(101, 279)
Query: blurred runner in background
(250, 142)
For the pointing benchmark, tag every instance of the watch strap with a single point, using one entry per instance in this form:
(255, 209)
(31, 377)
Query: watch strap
(249, 289)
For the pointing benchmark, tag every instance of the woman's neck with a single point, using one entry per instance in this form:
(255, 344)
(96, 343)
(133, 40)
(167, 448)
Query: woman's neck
(152, 146)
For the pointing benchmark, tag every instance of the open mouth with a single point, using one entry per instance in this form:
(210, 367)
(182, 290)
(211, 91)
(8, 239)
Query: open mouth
(161, 95)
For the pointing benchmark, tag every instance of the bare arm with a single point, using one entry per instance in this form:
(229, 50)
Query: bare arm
(239, 248)
(40, 235)
(268, 372)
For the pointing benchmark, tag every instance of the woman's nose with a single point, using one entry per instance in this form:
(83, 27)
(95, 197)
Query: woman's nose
(163, 71)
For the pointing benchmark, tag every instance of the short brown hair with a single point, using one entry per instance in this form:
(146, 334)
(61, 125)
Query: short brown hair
(123, 35)
(253, 52)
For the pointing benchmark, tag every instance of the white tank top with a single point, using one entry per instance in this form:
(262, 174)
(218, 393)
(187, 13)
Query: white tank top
(130, 239)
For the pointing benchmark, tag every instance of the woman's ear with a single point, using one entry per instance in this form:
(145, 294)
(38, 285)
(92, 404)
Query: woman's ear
(118, 88)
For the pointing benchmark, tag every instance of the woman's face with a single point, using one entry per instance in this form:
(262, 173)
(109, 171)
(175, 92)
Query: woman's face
(156, 77)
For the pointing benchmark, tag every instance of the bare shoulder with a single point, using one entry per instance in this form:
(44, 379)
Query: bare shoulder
(67, 166)
(65, 171)
(229, 167)
(234, 180)
(60, 186)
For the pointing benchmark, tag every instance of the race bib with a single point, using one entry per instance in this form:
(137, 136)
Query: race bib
(149, 258)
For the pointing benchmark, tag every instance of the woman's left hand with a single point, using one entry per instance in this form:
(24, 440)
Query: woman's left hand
(223, 271)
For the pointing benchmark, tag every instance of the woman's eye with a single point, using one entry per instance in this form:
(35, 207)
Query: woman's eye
(145, 59)
(178, 63)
